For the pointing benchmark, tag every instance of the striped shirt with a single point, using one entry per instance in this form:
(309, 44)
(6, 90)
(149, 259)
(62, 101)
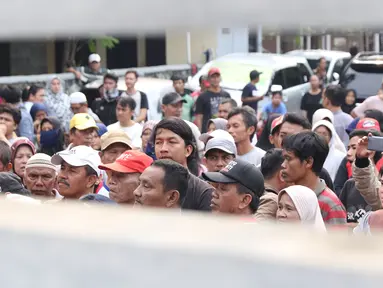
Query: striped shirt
(332, 209)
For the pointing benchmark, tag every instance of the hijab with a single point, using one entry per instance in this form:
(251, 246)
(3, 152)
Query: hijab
(322, 114)
(36, 107)
(306, 203)
(220, 123)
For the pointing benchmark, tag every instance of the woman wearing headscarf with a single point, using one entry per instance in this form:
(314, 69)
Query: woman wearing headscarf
(335, 157)
(215, 124)
(58, 102)
(300, 204)
(146, 132)
(51, 136)
(22, 149)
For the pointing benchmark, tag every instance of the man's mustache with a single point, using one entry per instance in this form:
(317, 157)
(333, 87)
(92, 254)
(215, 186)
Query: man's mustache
(64, 182)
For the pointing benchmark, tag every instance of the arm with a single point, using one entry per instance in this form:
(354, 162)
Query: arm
(143, 109)
(268, 207)
(198, 121)
(76, 73)
(358, 111)
(199, 112)
(303, 105)
(246, 98)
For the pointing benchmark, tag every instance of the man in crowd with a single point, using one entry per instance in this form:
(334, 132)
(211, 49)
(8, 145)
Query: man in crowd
(81, 127)
(35, 94)
(225, 107)
(172, 104)
(274, 131)
(304, 155)
(250, 95)
(271, 171)
(79, 104)
(41, 176)
(105, 107)
(9, 120)
(124, 175)
(240, 185)
(188, 102)
(164, 184)
(113, 144)
(174, 140)
(208, 102)
(79, 173)
(242, 123)
(333, 99)
(90, 73)
(203, 84)
(11, 183)
(142, 105)
(5, 157)
(219, 151)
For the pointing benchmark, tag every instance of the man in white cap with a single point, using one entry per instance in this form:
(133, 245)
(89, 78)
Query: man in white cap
(219, 152)
(79, 173)
(90, 73)
(79, 104)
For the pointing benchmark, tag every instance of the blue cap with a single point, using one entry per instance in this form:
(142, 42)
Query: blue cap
(101, 129)
(352, 125)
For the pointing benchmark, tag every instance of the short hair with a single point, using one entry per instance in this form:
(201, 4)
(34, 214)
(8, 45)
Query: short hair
(336, 95)
(5, 153)
(111, 76)
(305, 145)
(127, 101)
(33, 90)
(132, 72)
(254, 75)
(176, 177)
(248, 115)
(353, 50)
(297, 119)
(90, 171)
(271, 163)
(25, 94)
(254, 204)
(177, 77)
(232, 102)
(10, 94)
(363, 133)
(16, 114)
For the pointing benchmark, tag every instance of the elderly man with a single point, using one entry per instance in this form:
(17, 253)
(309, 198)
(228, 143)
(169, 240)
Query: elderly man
(79, 174)
(41, 176)
(81, 126)
(79, 104)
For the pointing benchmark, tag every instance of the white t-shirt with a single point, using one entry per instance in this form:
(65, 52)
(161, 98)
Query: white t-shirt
(134, 132)
(254, 156)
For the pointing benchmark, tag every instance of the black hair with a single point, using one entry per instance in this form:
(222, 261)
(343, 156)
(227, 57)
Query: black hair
(127, 102)
(353, 50)
(263, 141)
(201, 78)
(375, 114)
(176, 177)
(111, 76)
(132, 72)
(254, 204)
(271, 163)
(232, 102)
(5, 153)
(25, 95)
(254, 75)
(305, 145)
(297, 119)
(182, 129)
(16, 114)
(177, 77)
(336, 95)
(90, 171)
(10, 94)
(248, 115)
(32, 91)
(353, 91)
(364, 133)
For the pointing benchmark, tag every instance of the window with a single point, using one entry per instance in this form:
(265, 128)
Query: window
(305, 73)
(293, 77)
(278, 79)
(339, 66)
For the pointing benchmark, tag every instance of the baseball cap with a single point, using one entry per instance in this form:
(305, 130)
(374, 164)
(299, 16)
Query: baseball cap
(82, 121)
(222, 144)
(205, 81)
(368, 124)
(205, 137)
(116, 136)
(77, 98)
(239, 171)
(213, 71)
(78, 156)
(94, 58)
(254, 74)
(276, 123)
(10, 182)
(172, 98)
(131, 161)
(101, 129)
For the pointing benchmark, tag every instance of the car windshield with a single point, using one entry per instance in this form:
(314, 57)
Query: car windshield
(314, 63)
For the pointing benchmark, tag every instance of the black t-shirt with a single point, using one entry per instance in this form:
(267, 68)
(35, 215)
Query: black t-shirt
(105, 110)
(311, 103)
(327, 179)
(198, 196)
(207, 105)
(341, 177)
(354, 203)
(247, 91)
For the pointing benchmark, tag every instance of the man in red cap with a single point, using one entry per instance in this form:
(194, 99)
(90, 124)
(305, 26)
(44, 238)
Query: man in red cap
(208, 102)
(124, 173)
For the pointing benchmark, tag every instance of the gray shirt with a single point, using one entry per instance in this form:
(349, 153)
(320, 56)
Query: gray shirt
(341, 122)
(254, 156)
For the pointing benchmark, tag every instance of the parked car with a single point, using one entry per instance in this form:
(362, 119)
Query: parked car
(364, 74)
(336, 61)
(291, 72)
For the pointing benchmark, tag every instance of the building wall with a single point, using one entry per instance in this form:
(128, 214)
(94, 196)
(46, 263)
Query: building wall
(28, 58)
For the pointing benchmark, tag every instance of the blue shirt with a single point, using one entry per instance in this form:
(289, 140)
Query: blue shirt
(269, 109)
(25, 127)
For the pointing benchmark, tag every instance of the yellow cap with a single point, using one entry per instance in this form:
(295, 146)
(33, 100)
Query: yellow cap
(82, 121)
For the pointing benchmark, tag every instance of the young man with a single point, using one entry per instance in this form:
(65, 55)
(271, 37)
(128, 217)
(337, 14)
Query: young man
(333, 99)
(81, 128)
(35, 94)
(271, 171)
(219, 151)
(188, 103)
(208, 102)
(172, 104)
(124, 111)
(276, 105)
(105, 107)
(240, 185)
(91, 72)
(142, 105)
(225, 107)
(79, 104)
(304, 155)
(250, 95)
(79, 173)
(174, 140)
(241, 124)
(124, 175)
(164, 185)
(9, 120)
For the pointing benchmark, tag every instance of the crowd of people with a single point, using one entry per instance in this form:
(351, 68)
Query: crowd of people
(207, 153)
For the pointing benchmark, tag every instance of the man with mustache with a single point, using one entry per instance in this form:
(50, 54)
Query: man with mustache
(79, 173)
(81, 126)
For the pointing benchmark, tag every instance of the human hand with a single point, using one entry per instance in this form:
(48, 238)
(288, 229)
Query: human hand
(361, 148)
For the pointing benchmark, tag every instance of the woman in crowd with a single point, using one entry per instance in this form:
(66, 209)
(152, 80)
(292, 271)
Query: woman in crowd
(22, 149)
(299, 204)
(311, 100)
(38, 112)
(146, 132)
(215, 124)
(350, 101)
(57, 101)
(52, 138)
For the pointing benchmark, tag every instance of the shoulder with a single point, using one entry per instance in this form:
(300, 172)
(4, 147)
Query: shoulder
(260, 151)
(198, 184)
(329, 197)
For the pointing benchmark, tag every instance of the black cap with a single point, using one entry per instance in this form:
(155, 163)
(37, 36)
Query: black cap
(254, 74)
(172, 98)
(239, 171)
(10, 182)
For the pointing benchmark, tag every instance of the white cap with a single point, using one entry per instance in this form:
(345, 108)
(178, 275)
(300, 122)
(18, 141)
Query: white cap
(79, 156)
(94, 58)
(216, 133)
(276, 88)
(77, 98)
(222, 144)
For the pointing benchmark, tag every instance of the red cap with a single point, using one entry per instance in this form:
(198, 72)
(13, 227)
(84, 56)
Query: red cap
(213, 71)
(131, 161)
(368, 124)
(276, 123)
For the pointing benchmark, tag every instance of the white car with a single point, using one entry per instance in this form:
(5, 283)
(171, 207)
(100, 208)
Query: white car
(336, 61)
(291, 72)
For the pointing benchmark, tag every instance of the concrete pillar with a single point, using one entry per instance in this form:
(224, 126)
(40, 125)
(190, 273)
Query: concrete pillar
(101, 50)
(278, 44)
(188, 47)
(323, 42)
(302, 42)
(308, 42)
(259, 39)
(141, 51)
(328, 42)
(377, 42)
(51, 57)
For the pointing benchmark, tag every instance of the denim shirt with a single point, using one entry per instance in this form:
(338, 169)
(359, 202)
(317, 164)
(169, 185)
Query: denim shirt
(25, 127)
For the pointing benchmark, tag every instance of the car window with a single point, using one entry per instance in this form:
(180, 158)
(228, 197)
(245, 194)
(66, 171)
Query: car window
(339, 65)
(305, 73)
(278, 79)
(293, 77)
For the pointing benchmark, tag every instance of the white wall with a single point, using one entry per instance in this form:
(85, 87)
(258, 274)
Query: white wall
(232, 40)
